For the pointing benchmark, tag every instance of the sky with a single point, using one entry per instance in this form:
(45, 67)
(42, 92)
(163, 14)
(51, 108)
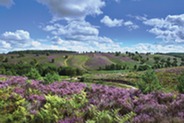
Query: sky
(92, 25)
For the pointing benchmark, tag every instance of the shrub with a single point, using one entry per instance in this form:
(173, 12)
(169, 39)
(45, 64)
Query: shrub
(34, 74)
(143, 67)
(180, 85)
(149, 82)
(51, 77)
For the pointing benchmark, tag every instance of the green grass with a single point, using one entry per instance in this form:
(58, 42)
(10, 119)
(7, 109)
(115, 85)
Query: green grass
(81, 60)
(77, 61)
(111, 84)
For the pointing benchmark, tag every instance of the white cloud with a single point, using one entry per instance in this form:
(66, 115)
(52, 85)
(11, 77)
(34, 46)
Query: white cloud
(137, 17)
(169, 29)
(74, 30)
(118, 22)
(111, 23)
(73, 9)
(17, 35)
(101, 43)
(130, 25)
(6, 3)
(4, 45)
(12, 41)
(35, 43)
(146, 47)
(97, 43)
(18, 40)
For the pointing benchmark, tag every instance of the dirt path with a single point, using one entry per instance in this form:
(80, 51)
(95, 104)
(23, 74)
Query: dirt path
(65, 61)
(116, 81)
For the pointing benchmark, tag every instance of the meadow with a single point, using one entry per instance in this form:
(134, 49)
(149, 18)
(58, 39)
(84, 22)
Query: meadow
(70, 87)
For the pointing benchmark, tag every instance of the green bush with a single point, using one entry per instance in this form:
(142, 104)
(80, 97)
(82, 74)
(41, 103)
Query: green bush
(34, 74)
(149, 82)
(51, 77)
(180, 85)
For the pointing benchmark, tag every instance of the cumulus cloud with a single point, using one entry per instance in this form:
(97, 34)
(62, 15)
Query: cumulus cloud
(79, 31)
(6, 3)
(4, 45)
(75, 30)
(147, 47)
(130, 25)
(169, 29)
(18, 40)
(35, 44)
(118, 22)
(100, 43)
(17, 35)
(10, 41)
(97, 43)
(73, 9)
(111, 23)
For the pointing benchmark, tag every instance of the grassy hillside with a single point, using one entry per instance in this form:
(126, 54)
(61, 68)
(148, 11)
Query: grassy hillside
(89, 61)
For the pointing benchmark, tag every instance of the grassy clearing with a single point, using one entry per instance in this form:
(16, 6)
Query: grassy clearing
(77, 61)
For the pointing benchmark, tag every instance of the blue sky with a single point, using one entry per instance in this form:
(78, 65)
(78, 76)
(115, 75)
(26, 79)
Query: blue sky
(92, 25)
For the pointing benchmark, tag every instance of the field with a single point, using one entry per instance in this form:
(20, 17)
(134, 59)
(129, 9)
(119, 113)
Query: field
(88, 61)
(91, 88)
(23, 100)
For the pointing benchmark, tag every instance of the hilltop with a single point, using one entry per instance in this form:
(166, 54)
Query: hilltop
(94, 60)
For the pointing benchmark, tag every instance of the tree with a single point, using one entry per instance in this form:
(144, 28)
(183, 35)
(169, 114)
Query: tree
(51, 77)
(143, 67)
(2, 70)
(47, 54)
(66, 56)
(149, 82)
(135, 67)
(180, 85)
(157, 59)
(34, 74)
(117, 53)
(182, 63)
(142, 61)
(175, 62)
(53, 60)
(182, 59)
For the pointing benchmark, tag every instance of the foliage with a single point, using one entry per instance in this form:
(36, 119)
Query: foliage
(23, 100)
(51, 77)
(143, 67)
(180, 85)
(34, 74)
(24, 69)
(149, 82)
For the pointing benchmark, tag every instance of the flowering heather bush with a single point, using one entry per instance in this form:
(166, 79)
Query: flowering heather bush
(24, 101)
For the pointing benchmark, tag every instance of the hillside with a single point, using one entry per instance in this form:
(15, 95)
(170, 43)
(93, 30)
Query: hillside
(91, 61)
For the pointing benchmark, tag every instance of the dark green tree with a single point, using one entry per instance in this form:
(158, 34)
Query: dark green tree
(34, 74)
(149, 82)
(180, 85)
(51, 77)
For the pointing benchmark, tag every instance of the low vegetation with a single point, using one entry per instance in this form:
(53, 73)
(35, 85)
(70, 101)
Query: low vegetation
(23, 100)
(70, 87)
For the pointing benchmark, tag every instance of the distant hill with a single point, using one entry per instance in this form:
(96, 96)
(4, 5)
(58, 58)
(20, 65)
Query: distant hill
(181, 55)
(90, 60)
(40, 51)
